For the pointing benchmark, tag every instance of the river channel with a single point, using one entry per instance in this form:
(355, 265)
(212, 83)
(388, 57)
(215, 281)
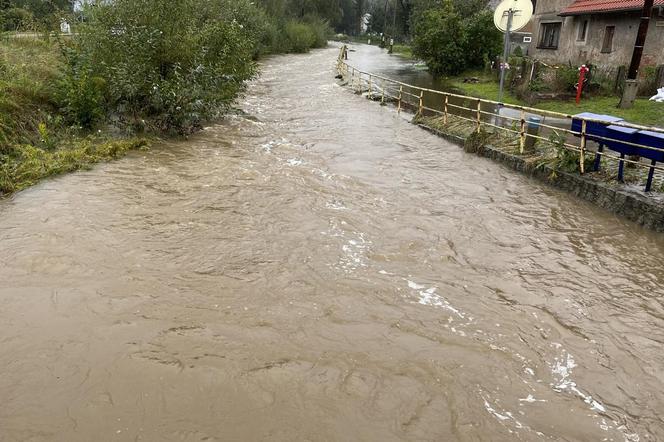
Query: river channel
(318, 268)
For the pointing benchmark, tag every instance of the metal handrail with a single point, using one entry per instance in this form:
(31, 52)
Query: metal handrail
(344, 69)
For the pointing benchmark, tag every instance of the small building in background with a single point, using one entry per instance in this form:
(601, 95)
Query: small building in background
(600, 32)
(518, 39)
(523, 39)
(65, 28)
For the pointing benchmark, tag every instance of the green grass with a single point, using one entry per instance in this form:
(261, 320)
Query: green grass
(404, 51)
(22, 166)
(486, 89)
(644, 112)
(28, 71)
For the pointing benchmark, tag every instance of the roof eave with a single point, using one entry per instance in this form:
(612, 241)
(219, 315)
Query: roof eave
(612, 11)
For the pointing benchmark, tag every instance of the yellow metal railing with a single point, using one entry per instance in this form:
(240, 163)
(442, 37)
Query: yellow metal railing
(473, 110)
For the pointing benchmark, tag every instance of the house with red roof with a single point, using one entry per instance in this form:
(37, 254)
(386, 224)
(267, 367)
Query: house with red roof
(599, 32)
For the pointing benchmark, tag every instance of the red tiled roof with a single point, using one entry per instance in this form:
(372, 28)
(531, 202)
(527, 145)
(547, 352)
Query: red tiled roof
(600, 6)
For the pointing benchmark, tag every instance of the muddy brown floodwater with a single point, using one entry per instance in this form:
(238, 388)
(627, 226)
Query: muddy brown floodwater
(320, 269)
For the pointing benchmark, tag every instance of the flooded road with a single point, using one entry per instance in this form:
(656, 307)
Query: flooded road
(320, 269)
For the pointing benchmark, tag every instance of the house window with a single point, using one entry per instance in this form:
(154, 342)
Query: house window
(582, 30)
(549, 35)
(607, 46)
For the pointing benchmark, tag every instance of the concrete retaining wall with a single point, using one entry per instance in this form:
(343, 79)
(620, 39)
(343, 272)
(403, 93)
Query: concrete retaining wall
(647, 211)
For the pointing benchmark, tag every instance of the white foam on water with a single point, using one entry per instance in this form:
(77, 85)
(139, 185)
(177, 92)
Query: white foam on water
(354, 252)
(490, 409)
(335, 205)
(294, 162)
(530, 399)
(415, 286)
(505, 417)
(562, 369)
(430, 297)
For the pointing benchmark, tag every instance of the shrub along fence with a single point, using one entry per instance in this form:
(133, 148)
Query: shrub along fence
(531, 79)
(568, 142)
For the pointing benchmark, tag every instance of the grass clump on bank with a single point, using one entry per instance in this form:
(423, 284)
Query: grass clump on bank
(404, 51)
(24, 165)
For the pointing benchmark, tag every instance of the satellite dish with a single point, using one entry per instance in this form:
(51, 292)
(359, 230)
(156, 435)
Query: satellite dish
(522, 11)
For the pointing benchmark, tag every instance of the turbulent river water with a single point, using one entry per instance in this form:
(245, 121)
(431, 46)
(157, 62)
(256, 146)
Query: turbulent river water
(317, 268)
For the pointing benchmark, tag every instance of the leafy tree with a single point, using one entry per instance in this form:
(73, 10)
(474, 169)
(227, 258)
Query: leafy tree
(452, 40)
(437, 39)
(482, 41)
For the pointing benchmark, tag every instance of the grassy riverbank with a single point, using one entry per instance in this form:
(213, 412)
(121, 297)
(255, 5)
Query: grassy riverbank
(67, 104)
(643, 112)
(36, 141)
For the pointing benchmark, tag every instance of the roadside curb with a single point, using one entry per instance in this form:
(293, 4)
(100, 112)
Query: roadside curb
(648, 212)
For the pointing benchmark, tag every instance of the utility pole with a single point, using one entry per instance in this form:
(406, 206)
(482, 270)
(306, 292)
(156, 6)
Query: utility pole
(632, 84)
(506, 55)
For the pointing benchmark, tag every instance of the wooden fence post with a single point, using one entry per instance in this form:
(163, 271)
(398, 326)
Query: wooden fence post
(447, 100)
(420, 112)
(400, 95)
(479, 116)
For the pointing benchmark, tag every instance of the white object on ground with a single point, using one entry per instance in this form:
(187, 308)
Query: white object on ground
(659, 98)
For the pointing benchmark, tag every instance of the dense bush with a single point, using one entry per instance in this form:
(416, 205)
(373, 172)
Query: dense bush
(16, 19)
(451, 42)
(321, 30)
(172, 64)
(566, 78)
(80, 93)
(300, 36)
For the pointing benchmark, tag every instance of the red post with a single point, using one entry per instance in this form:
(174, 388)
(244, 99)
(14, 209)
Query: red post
(583, 70)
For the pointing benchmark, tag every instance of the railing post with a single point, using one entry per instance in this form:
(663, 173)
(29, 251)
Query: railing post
(420, 111)
(522, 133)
(447, 100)
(582, 154)
(400, 95)
(382, 95)
(370, 95)
(479, 116)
